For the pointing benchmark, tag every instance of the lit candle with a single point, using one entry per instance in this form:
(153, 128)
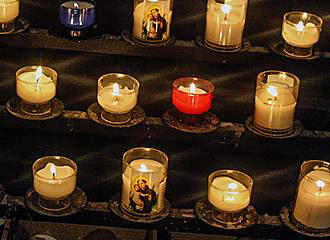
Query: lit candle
(312, 206)
(152, 19)
(228, 195)
(9, 10)
(54, 182)
(144, 183)
(225, 23)
(77, 14)
(115, 99)
(188, 98)
(35, 87)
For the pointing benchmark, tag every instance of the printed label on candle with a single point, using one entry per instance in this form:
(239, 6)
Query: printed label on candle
(144, 186)
(151, 21)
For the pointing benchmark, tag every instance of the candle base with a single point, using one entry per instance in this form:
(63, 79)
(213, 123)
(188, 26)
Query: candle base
(294, 131)
(286, 216)
(116, 207)
(8, 27)
(233, 221)
(95, 111)
(202, 123)
(298, 52)
(222, 48)
(56, 208)
(127, 36)
(114, 118)
(35, 109)
(59, 30)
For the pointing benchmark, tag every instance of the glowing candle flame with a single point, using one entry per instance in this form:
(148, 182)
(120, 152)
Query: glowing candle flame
(115, 89)
(52, 170)
(320, 184)
(75, 5)
(226, 8)
(38, 74)
(192, 88)
(300, 26)
(232, 186)
(272, 91)
(143, 168)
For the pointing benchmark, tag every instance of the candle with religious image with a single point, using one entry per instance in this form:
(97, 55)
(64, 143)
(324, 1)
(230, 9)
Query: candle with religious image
(144, 175)
(225, 20)
(152, 20)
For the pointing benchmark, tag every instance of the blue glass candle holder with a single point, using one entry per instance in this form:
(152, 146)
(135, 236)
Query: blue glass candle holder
(77, 16)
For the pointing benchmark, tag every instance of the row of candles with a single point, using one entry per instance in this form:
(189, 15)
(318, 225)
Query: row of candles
(275, 98)
(144, 175)
(225, 20)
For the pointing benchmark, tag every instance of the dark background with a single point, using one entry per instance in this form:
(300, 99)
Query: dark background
(98, 157)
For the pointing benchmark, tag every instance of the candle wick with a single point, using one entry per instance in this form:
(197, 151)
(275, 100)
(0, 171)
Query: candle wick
(54, 176)
(225, 16)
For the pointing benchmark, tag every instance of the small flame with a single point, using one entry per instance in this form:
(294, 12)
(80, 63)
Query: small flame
(232, 186)
(53, 170)
(192, 88)
(300, 26)
(38, 73)
(304, 16)
(75, 5)
(115, 89)
(272, 91)
(226, 8)
(143, 168)
(320, 184)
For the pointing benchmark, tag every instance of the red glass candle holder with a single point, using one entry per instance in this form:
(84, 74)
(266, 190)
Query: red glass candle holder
(192, 95)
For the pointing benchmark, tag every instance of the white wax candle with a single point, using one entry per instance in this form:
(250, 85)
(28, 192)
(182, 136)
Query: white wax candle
(312, 206)
(224, 24)
(143, 9)
(114, 99)
(228, 195)
(300, 35)
(33, 91)
(150, 170)
(192, 89)
(56, 186)
(9, 10)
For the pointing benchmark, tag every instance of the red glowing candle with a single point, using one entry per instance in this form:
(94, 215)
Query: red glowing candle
(192, 95)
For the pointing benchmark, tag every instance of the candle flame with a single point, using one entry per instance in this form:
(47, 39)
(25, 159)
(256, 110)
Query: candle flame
(192, 88)
(143, 168)
(304, 16)
(300, 26)
(232, 186)
(320, 184)
(272, 91)
(52, 170)
(115, 89)
(38, 74)
(75, 5)
(226, 8)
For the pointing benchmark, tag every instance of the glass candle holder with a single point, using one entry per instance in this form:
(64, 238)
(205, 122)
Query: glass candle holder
(225, 20)
(54, 179)
(144, 174)
(77, 15)
(36, 87)
(192, 95)
(312, 205)
(229, 192)
(152, 20)
(9, 10)
(300, 30)
(117, 94)
(275, 102)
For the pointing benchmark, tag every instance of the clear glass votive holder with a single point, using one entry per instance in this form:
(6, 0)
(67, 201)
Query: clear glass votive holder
(300, 30)
(9, 11)
(36, 87)
(144, 175)
(54, 179)
(312, 205)
(117, 94)
(275, 102)
(152, 20)
(229, 192)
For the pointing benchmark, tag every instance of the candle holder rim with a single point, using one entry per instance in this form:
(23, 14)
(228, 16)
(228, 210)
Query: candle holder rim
(56, 157)
(210, 84)
(261, 75)
(226, 171)
(239, 2)
(34, 67)
(145, 149)
(89, 1)
(117, 74)
(318, 25)
(323, 162)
